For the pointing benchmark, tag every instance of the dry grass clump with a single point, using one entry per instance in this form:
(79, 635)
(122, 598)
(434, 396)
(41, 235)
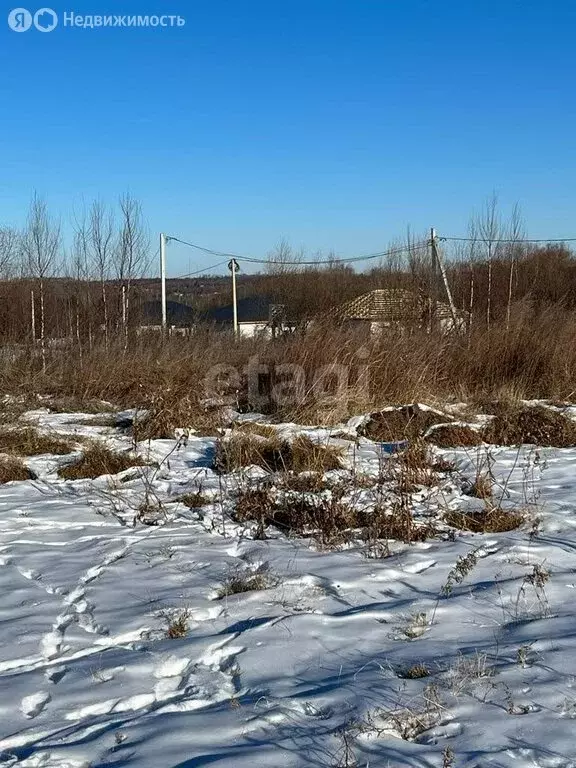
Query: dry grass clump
(532, 425)
(238, 583)
(98, 460)
(13, 469)
(481, 487)
(454, 436)
(308, 456)
(415, 672)
(397, 524)
(417, 466)
(489, 520)
(27, 441)
(74, 404)
(310, 482)
(275, 454)
(403, 423)
(243, 450)
(194, 500)
(330, 520)
(177, 625)
(171, 410)
(255, 428)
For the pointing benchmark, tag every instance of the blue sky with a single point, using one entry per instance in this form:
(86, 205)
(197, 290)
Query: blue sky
(333, 123)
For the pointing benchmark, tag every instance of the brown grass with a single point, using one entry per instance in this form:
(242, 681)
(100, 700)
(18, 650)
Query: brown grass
(534, 356)
(453, 436)
(98, 460)
(275, 454)
(27, 441)
(194, 500)
(482, 487)
(489, 520)
(177, 625)
(404, 423)
(531, 425)
(415, 672)
(238, 583)
(12, 469)
(331, 521)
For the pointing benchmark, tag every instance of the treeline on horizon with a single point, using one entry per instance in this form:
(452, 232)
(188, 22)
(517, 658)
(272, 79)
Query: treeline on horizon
(97, 288)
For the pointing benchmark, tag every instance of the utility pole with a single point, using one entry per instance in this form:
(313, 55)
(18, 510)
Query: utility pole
(434, 302)
(163, 279)
(438, 261)
(233, 267)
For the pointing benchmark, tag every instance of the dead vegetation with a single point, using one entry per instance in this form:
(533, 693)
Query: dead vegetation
(403, 423)
(455, 436)
(275, 454)
(12, 469)
(97, 460)
(177, 624)
(535, 425)
(27, 441)
(239, 582)
(492, 519)
(329, 519)
(194, 500)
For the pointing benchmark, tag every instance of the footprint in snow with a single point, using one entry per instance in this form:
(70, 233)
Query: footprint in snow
(33, 705)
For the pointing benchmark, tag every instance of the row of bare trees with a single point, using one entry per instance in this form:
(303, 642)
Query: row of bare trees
(93, 291)
(94, 278)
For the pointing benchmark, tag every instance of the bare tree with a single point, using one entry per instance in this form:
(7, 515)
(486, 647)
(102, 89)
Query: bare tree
(515, 235)
(9, 250)
(101, 248)
(41, 244)
(490, 230)
(131, 253)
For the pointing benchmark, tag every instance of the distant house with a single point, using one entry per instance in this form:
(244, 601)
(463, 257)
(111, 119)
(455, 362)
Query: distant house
(180, 318)
(257, 316)
(398, 307)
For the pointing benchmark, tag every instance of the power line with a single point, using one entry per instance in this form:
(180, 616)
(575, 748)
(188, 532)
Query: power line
(199, 271)
(509, 240)
(252, 260)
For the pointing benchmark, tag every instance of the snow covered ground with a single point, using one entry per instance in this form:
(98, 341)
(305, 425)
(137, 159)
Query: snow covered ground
(318, 669)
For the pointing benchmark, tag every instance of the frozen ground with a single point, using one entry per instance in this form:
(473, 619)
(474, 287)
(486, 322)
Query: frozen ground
(308, 672)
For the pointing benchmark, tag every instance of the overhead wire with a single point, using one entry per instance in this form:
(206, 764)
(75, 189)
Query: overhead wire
(299, 262)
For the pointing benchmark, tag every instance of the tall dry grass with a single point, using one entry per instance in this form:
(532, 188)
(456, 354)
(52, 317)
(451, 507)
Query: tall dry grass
(535, 356)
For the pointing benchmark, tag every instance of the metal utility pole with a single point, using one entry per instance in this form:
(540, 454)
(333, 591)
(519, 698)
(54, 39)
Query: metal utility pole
(163, 279)
(438, 261)
(233, 267)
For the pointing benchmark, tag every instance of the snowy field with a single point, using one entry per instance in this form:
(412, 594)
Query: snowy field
(322, 666)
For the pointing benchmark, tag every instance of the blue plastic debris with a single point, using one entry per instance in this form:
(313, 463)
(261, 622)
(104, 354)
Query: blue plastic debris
(394, 447)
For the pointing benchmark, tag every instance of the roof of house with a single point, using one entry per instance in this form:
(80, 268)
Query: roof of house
(391, 305)
(252, 309)
(176, 313)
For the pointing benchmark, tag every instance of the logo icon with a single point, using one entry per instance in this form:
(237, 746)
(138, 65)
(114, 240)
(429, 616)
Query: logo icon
(20, 20)
(45, 20)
